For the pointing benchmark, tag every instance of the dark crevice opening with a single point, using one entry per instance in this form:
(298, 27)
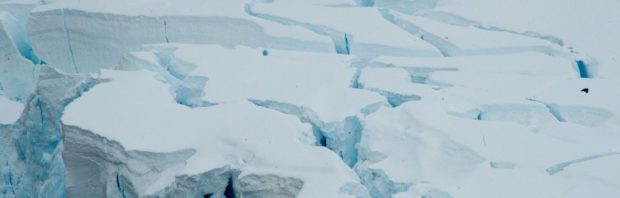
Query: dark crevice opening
(583, 69)
(355, 81)
(166, 31)
(346, 44)
(229, 192)
(119, 186)
(340, 137)
(555, 113)
(68, 41)
(336, 36)
(323, 141)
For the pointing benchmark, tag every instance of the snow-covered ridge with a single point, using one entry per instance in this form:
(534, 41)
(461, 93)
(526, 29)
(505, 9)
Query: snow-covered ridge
(309, 98)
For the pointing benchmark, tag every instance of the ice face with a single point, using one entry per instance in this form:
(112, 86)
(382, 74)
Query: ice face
(309, 98)
(67, 26)
(33, 144)
(18, 69)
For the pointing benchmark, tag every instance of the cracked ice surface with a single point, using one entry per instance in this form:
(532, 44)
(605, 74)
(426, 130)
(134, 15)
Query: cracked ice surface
(309, 98)
(69, 26)
(138, 111)
(243, 73)
(372, 37)
(587, 27)
(477, 148)
(467, 40)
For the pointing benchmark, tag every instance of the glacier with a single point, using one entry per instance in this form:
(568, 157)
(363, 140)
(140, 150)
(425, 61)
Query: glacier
(309, 98)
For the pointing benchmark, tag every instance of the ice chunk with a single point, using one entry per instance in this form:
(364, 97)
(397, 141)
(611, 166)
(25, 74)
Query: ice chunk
(362, 30)
(18, 75)
(20, 11)
(236, 134)
(86, 175)
(315, 87)
(525, 114)
(393, 80)
(454, 40)
(316, 81)
(399, 146)
(448, 154)
(88, 36)
(188, 89)
(597, 39)
(595, 108)
(527, 63)
(474, 78)
(492, 88)
(31, 147)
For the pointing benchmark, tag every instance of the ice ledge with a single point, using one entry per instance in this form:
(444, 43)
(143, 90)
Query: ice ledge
(96, 166)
